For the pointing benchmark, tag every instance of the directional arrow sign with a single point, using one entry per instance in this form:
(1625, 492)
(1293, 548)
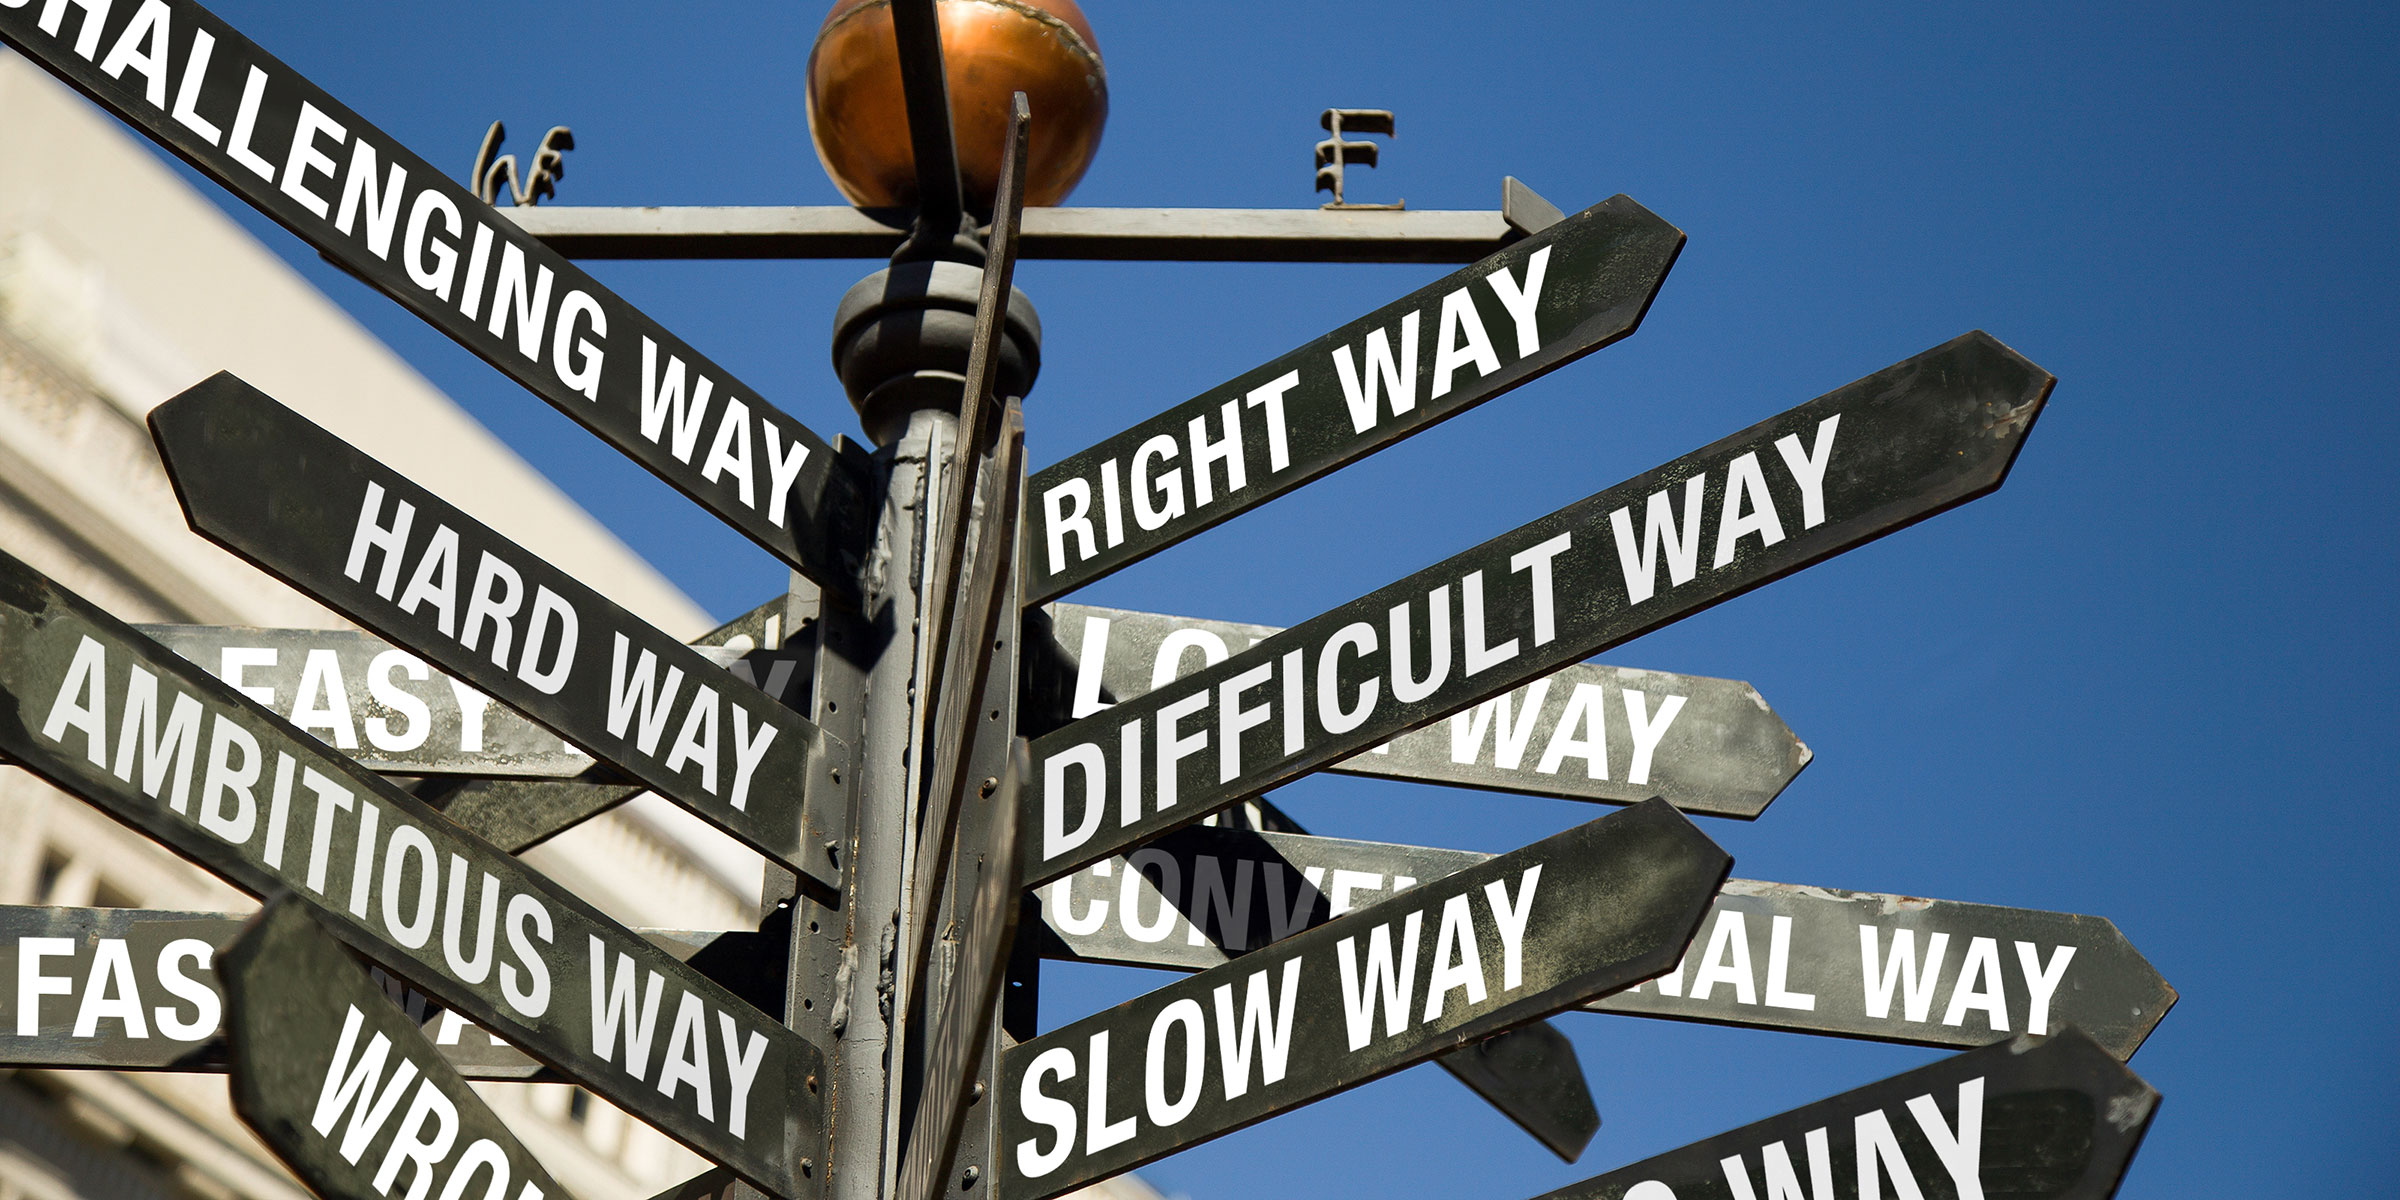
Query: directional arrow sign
(1443, 349)
(344, 1088)
(122, 988)
(1512, 940)
(136, 989)
(1843, 469)
(2050, 1117)
(390, 711)
(155, 742)
(176, 72)
(1529, 1073)
(518, 814)
(260, 480)
(1770, 955)
(1585, 732)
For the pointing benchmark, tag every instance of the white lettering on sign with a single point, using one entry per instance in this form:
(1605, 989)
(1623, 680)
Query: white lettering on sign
(1210, 462)
(1218, 903)
(1673, 543)
(423, 1140)
(1993, 986)
(642, 703)
(1249, 1023)
(397, 875)
(625, 1026)
(109, 988)
(1500, 733)
(1957, 1150)
(1392, 979)
(1378, 979)
(386, 706)
(718, 750)
(1273, 696)
(1578, 730)
(350, 188)
(326, 696)
(678, 404)
(1420, 650)
(497, 617)
(247, 799)
(1977, 985)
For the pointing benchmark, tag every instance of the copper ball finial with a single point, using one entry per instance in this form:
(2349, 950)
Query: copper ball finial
(990, 48)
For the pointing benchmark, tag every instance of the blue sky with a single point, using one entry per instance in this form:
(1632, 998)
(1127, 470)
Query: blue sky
(2137, 682)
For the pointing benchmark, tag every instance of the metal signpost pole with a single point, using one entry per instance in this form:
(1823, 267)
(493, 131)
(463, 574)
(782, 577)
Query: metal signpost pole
(905, 347)
(902, 815)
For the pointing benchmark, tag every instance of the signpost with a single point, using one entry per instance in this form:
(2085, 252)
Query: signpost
(1883, 452)
(343, 1087)
(1769, 955)
(263, 482)
(2052, 1117)
(196, 86)
(160, 745)
(840, 1051)
(1583, 732)
(1539, 304)
(1565, 920)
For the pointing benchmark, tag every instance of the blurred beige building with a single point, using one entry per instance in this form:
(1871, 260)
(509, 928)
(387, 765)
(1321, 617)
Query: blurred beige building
(120, 286)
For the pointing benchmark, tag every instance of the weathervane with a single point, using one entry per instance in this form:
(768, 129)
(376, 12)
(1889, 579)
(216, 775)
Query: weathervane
(967, 782)
(1338, 152)
(493, 178)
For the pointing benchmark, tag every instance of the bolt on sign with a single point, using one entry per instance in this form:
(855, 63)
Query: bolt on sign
(1584, 732)
(344, 1088)
(265, 483)
(1537, 305)
(1572, 917)
(1873, 456)
(2053, 1117)
(106, 714)
(1769, 955)
(194, 85)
